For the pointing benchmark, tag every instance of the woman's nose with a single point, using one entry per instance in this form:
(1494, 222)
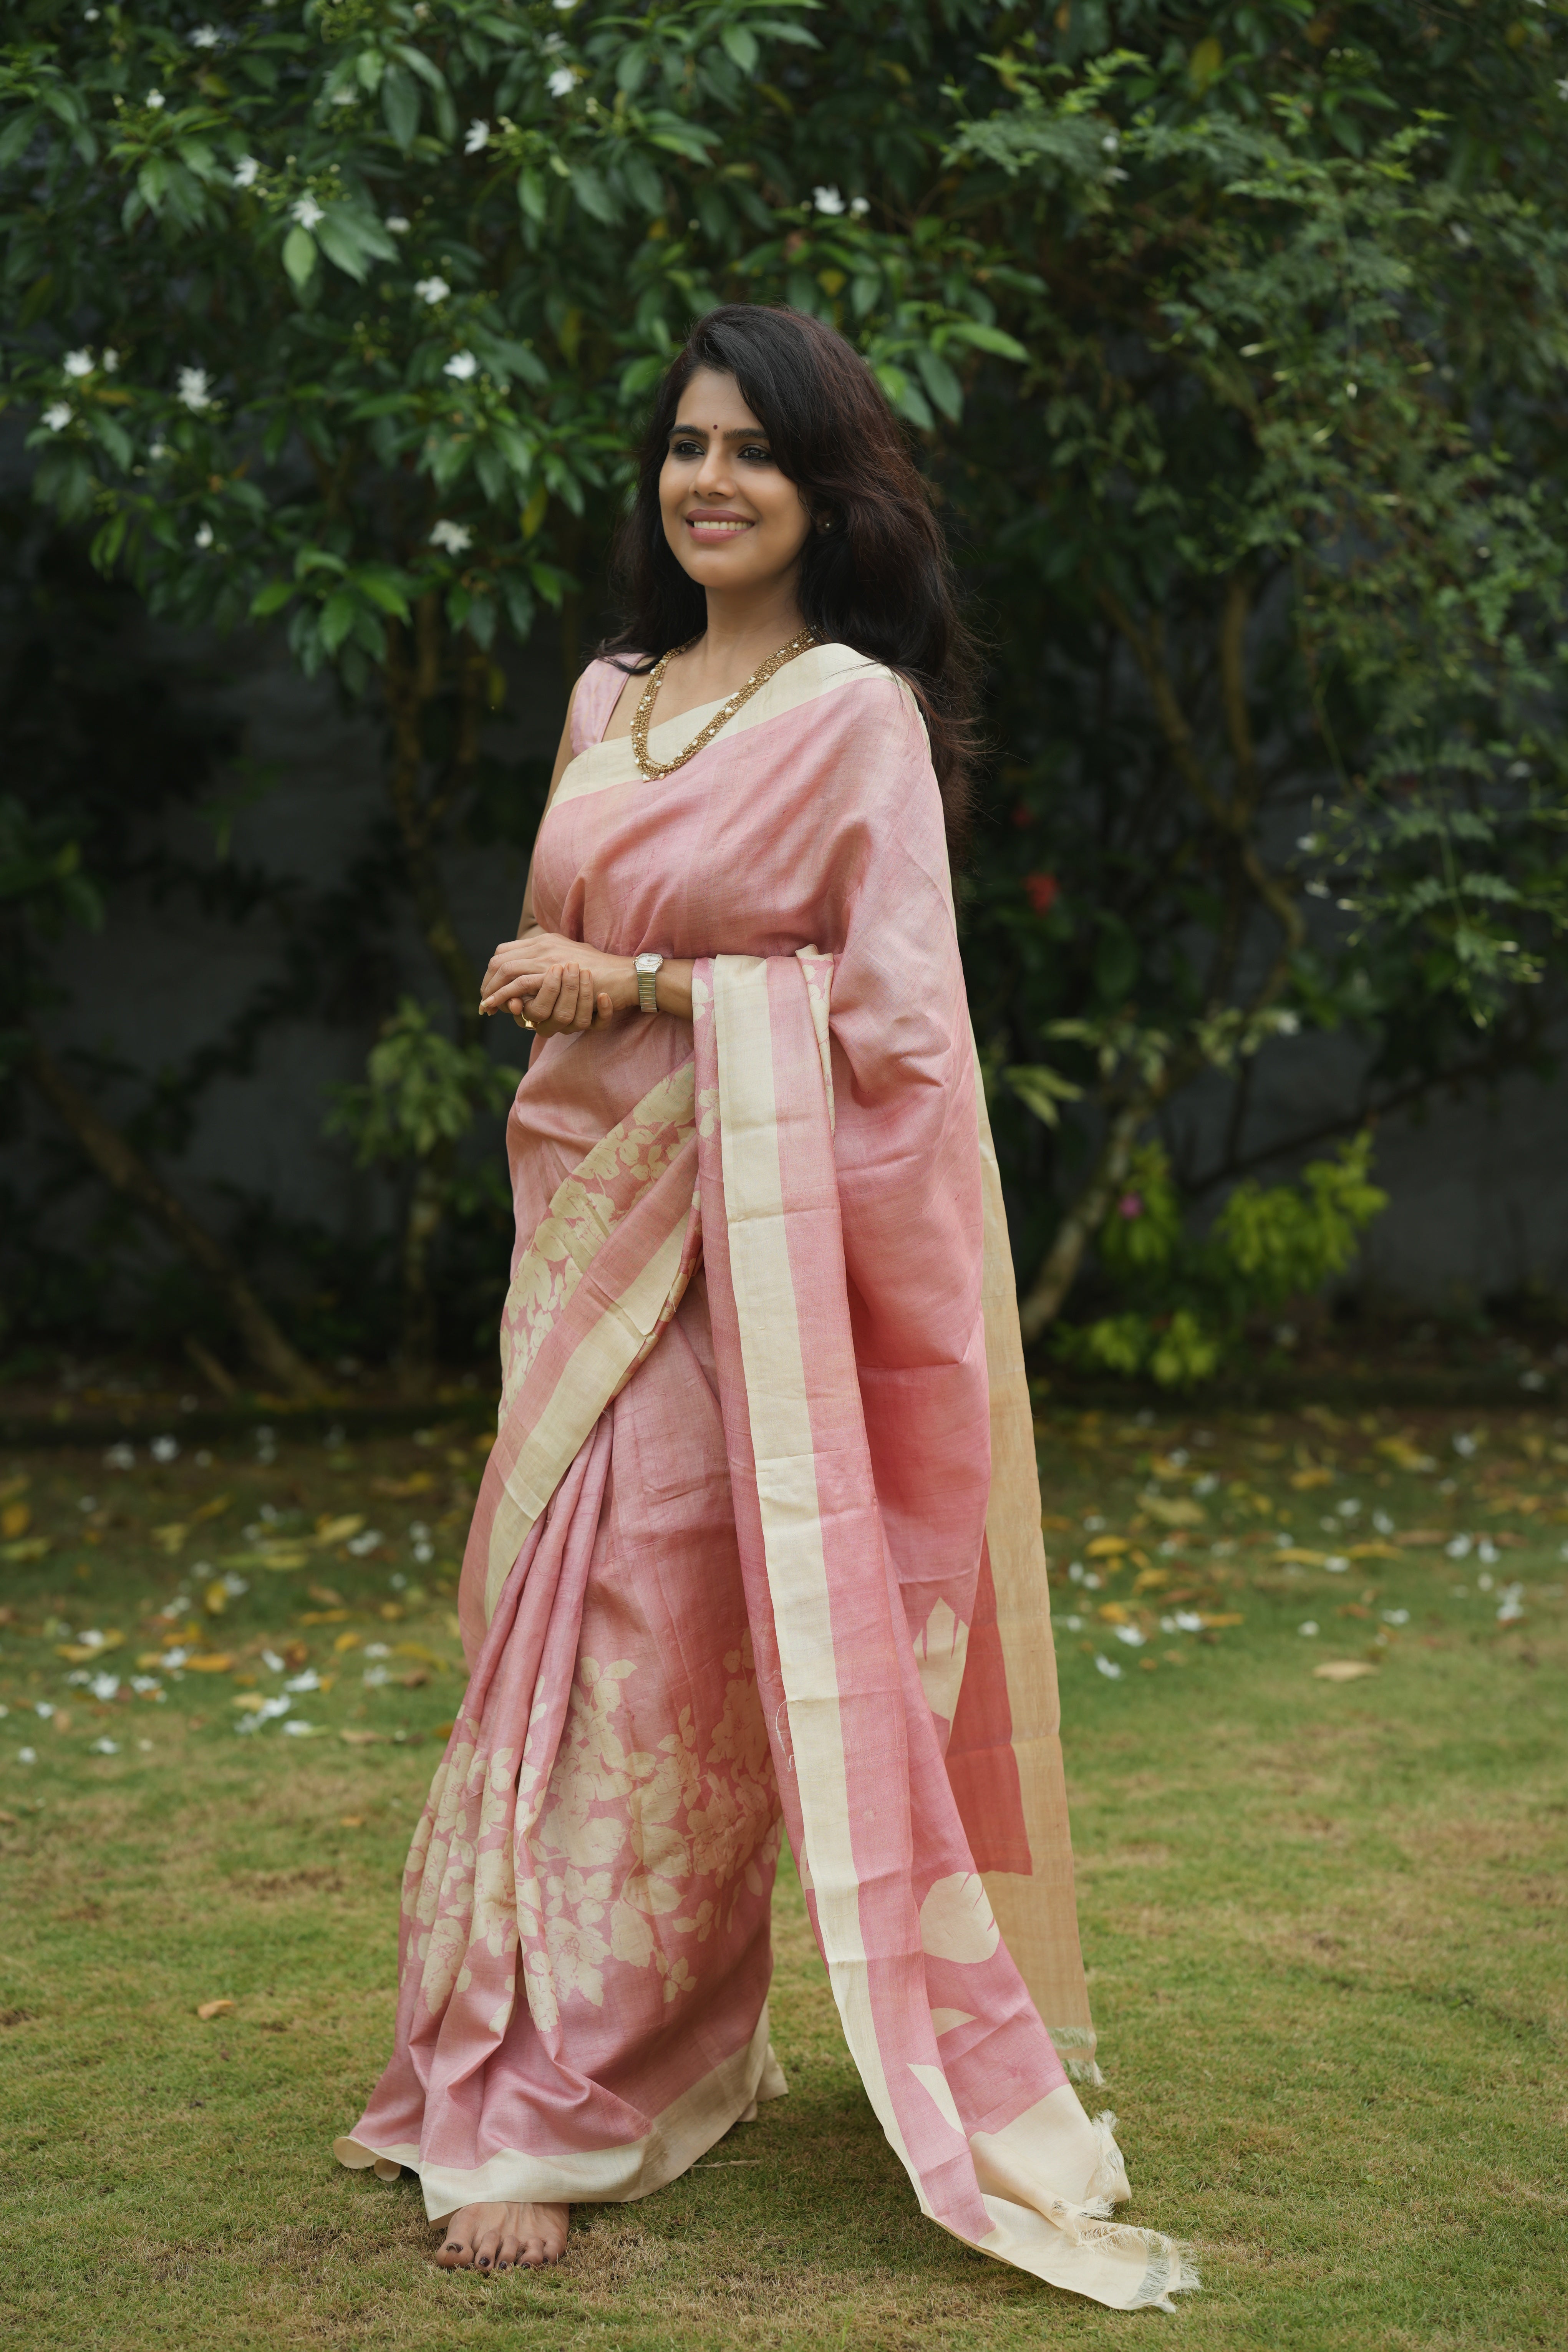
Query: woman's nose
(714, 480)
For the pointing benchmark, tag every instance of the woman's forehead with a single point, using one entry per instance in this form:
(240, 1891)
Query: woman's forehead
(712, 403)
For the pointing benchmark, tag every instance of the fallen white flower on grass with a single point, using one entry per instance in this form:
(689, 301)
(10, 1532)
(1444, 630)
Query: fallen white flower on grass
(1512, 1608)
(106, 1747)
(375, 1677)
(1336, 1564)
(377, 1650)
(1131, 1635)
(1108, 1667)
(361, 1543)
(1187, 1621)
(1073, 1625)
(1309, 1627)
(1458, 1547)
(308, 1681)
(1397, 1616)
(105, 1687)
(272, 1662)
(26, 1755)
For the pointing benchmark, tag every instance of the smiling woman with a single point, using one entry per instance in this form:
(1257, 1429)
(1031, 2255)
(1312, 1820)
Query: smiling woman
(758, 1545)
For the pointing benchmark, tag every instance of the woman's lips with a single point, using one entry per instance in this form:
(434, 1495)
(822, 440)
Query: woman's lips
(715, 528)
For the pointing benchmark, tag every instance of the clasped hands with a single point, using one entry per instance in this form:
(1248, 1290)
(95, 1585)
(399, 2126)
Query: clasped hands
(555, 986)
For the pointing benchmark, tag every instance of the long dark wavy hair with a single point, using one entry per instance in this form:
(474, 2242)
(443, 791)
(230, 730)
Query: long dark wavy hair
(878, 580)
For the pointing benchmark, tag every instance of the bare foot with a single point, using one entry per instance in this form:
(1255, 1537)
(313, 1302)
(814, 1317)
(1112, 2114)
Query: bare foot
(504, 2237)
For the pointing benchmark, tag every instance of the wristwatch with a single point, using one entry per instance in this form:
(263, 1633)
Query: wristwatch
(646, 968)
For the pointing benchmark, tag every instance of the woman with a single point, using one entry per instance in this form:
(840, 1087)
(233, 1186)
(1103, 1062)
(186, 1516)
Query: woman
(759, 1539)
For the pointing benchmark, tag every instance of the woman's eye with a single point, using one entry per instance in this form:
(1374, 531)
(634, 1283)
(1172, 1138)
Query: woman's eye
(756, 450)
(686, 449)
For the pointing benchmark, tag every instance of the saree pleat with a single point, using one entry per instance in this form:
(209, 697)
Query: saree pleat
(758, 1541)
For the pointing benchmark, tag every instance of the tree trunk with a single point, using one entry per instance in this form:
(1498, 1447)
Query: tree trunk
(426, 1206)
(1083, 1220)
(123, 1167)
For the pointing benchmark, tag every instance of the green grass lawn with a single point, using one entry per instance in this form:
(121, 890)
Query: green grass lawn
(1324, 1920)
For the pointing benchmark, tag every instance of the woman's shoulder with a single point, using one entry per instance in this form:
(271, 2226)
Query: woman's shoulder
(596, 695)
(857, 683)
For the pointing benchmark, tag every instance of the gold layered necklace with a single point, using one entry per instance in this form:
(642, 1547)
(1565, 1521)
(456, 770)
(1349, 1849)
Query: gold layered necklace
(642, 717)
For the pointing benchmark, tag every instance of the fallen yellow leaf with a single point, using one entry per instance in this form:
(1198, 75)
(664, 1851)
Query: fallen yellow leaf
(30, 1548)
(1174, 1511)
(207, 2010)
(209, 1661)
(1114, 1612)
(1371, 1551)
(351, 1821)
(171, 1535)
(1420, 1538)
(346, 1641)
(251, 1702)
(1105, 1547)
(214, 1599)
(1223, 1617)
(1402, 1454)
(362, 1739)
(1343, 1670)
(213, 1510)
(324, 1616)
(1302, 1557)
(325, 1595)
(15, 1520)
(418, 1483)
(1303, 1480)
(392, 1611)
(335, 1531)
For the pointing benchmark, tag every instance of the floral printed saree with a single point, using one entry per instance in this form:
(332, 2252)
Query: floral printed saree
(758, 1544)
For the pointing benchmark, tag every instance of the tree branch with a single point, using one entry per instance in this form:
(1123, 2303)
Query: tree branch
(121, 1166)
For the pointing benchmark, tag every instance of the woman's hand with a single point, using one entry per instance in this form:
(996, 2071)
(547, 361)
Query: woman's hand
(558, 985)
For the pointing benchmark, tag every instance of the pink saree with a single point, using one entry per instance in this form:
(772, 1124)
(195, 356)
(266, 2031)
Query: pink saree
(758, 1544)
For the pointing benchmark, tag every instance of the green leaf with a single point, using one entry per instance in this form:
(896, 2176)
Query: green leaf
(13, 139)
(593, 195)
(271, 599)
(741, 45)
(299, 256)
(338, 616)
(400, 105)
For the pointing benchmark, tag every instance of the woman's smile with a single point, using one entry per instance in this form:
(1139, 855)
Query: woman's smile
(710, 528)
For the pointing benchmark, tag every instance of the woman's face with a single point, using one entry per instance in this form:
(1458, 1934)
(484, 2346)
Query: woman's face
(734, 521)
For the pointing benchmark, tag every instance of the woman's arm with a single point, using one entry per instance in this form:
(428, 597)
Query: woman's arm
(559, 984)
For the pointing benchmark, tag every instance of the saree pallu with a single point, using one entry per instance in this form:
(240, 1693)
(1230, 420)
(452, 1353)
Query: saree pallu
(758, 1544)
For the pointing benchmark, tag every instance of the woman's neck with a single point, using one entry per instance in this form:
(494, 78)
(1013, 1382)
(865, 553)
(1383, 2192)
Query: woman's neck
(742, 632)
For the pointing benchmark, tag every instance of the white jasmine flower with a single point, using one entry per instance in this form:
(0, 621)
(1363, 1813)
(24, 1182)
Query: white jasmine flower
(478, 136)
(562, 82)
(165, 1449)
(451, 538)
(1110, 142)
(244, 173)
(1461, 236)
(306, 211)
(859, 204)
(204, 36)
(431, 289)
(77, 363)
(396, 225)
(196, 388)
(1561, 87)
(1287, 1025)
(828, 200)
(204, 535)
(344, 95)
(1115, 173)
(58, 416)
(462, 365)
(109, 363)
(158, 449)
(90, 16)
(155, 99)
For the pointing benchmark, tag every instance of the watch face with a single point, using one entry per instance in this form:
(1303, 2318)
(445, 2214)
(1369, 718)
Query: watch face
(647, 963)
